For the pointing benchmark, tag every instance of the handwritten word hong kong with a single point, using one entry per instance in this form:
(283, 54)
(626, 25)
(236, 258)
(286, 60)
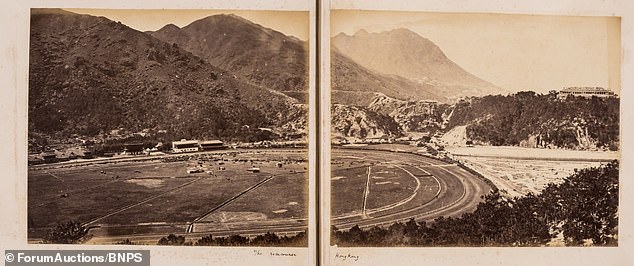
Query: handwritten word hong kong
(345, 257)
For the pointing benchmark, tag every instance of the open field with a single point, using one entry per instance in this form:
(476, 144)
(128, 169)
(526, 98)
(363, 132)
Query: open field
(274, 200)
(350, 182)
(81, 194)
(419, 187)
(518, 171)
(389, 182)
(158, 196)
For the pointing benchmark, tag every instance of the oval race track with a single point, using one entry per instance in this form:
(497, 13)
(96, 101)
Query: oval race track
(457, 192)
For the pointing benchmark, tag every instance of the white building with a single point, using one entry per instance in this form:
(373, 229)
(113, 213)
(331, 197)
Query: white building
(185, 146)
(586, 92)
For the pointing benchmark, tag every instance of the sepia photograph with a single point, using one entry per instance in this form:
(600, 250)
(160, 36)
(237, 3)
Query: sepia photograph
(317, 132)
(473, 130)
(168, 127)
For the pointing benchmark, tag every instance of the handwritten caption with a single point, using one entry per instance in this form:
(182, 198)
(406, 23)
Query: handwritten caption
(257, 252)
(346, 257)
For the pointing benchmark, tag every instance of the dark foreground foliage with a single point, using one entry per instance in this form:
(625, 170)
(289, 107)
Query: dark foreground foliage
(583, 207)
(265, 240)
(71, 232)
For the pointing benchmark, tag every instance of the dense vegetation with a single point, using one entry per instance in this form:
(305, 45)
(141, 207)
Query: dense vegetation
(71, 232)
(574, 122)
(583, 208)
(89, 75)
(266, 240)
(262, 56)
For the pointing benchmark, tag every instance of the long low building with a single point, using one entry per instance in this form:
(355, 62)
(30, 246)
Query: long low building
(211, 145)
(194, 145)
(185, 146)
(586, 92)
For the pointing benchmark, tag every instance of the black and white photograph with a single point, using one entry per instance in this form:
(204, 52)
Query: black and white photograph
(168, 127)
(474, 129)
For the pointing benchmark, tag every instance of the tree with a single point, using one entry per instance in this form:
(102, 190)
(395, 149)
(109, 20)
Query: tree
(587, 204)
(584, 207)
(172, 240)
(71, 232)
(268, 239)
(205, 241)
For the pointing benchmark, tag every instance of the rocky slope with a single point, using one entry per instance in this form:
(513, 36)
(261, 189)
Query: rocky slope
(411, 116)
(260, 55)
(404, 53)
(354, 84)
(89, 75)
(356, 123)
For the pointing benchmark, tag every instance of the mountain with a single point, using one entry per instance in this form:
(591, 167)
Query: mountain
(260, 55)
(89, 75)
(356, 85)
(404, 53)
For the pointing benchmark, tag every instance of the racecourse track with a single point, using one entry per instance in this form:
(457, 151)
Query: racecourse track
(436, 188)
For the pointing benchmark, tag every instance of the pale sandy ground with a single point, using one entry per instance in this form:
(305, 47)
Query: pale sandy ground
(519, 171)
(457, 136)
(533, 153)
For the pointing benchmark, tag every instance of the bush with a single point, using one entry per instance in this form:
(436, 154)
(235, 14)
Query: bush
(71, 232)
(584, 207)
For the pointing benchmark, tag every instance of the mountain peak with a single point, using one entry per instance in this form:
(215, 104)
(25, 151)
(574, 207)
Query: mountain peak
(361, 33)
(170, 27)
(253, 52)
(231, 18)
(403, 31)
(56, 11)
(405, 53)
(406, 35)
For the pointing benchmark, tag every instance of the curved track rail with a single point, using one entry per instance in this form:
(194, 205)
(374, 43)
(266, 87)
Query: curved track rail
(458, 192)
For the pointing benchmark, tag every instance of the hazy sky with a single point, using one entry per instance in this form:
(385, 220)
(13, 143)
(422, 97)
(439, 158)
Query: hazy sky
(517, 52)
(293, 23)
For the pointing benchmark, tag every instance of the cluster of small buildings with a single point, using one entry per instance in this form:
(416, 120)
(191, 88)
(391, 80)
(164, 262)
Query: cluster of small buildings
(55, 155)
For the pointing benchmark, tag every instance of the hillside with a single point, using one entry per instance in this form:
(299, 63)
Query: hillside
(534, 120)
(90, 75)
(354, 84)
(355, 123)
(404, 53)
(411, 116)
(259, 55)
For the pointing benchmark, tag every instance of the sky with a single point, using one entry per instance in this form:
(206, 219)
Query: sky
(294, 23)
(515, 52)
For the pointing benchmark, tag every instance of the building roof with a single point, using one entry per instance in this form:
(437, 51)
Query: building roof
(585, 89)
(210, 142)
(184, 141)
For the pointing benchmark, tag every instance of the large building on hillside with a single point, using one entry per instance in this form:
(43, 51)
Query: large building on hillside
(586, 92)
